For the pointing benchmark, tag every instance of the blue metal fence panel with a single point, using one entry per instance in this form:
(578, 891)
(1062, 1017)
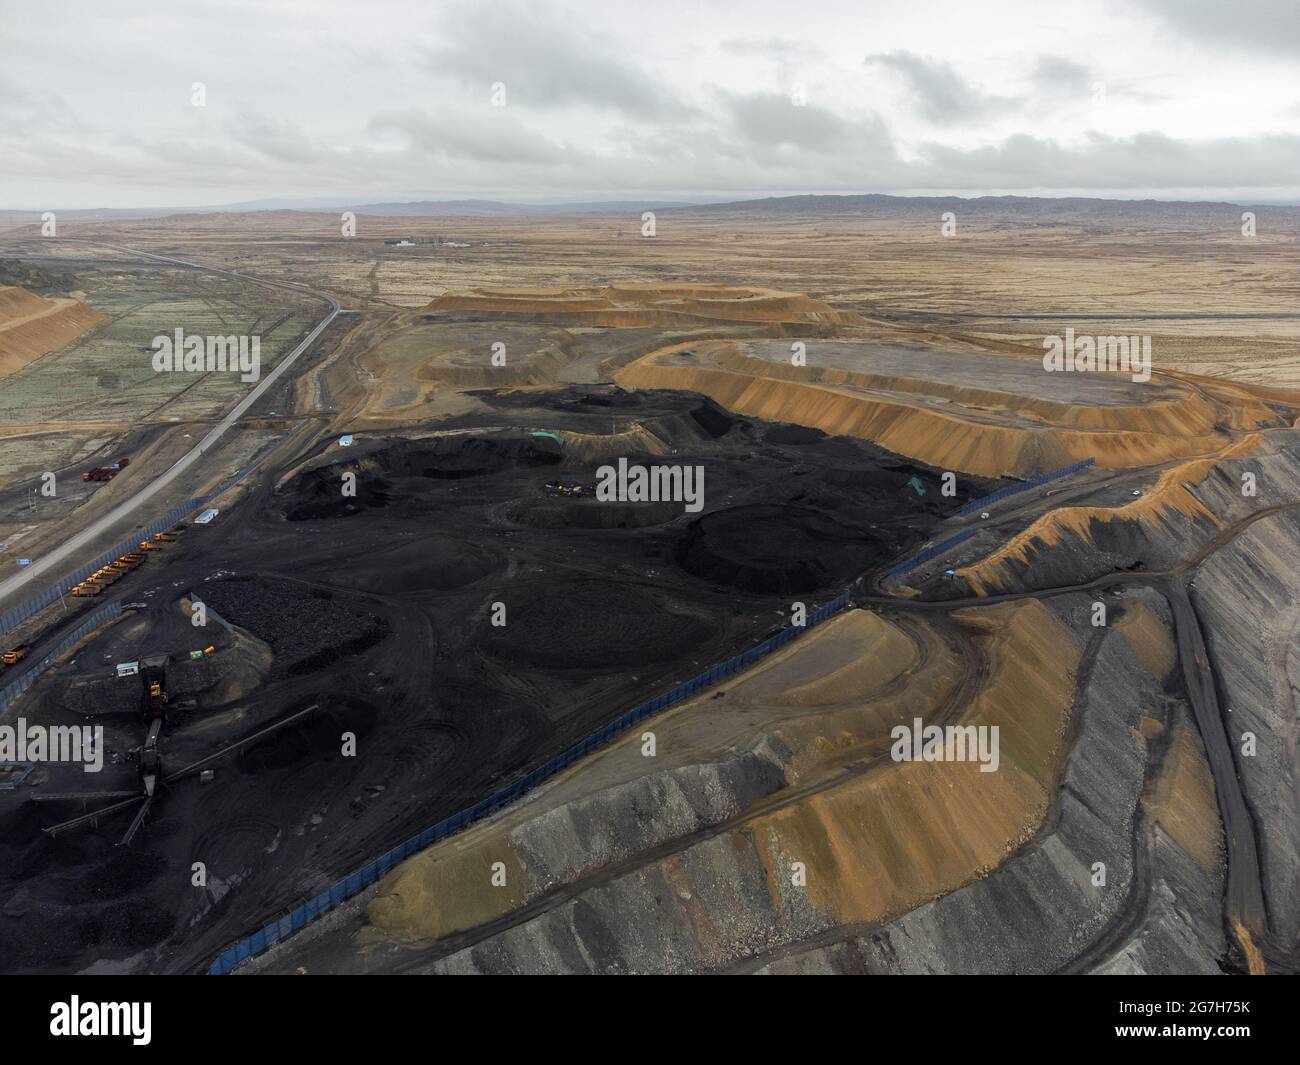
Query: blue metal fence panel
(13, 618)
(932, 552)
(1009, 490)
(92, 621)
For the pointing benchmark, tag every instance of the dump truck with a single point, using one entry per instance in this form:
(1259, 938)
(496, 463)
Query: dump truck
(165, 537)
(560, 488)
(106, 473)
(15, 655)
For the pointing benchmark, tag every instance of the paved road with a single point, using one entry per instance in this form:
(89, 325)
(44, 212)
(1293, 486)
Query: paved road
(99, 527)
(1244, 900)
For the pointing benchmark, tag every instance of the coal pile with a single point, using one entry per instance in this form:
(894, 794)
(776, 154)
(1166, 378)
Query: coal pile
(394, 473)
(593, 625)
(431, 563)
(770, 549)
(590, 513)
(316, 735)
(306, 628)
(320, 495)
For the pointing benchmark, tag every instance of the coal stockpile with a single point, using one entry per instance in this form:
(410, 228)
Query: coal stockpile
(594, 625)
(56, 911)
(323, 496)
(434, 563)
(314, 735)
(386, 476)
(378, 609)
(776, 550)
(306, 628)
(477, 457)
(548, 513)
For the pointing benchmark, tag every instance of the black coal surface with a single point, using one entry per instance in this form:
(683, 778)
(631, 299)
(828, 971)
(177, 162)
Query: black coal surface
(593, 624)
(770, 549)
(308, 628)
(386, 476)
(379, 608)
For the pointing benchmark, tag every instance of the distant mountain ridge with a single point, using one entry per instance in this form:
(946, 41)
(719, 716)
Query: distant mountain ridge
(865, 204)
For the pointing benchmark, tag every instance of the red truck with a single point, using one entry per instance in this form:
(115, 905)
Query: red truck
(106, 473)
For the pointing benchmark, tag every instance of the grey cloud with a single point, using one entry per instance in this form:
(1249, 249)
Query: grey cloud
(464, 154)
(771, 118)
(1147, 160)
(282, 141)
(1273, 25)
(545, 64)
(941, 95)
(497, 138)
(1056, 75)
(22, 110)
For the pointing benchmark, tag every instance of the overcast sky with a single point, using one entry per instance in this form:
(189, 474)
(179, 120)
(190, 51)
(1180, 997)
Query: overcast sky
(661, 99)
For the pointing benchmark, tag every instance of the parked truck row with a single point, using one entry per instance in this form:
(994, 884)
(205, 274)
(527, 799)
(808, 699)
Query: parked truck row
(105, 473)
(109, 575)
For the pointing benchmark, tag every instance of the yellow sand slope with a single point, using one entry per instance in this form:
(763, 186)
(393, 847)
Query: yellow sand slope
(32, 326)
(983, 431)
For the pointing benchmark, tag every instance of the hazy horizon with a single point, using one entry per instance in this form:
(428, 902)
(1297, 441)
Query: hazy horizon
(308, 205)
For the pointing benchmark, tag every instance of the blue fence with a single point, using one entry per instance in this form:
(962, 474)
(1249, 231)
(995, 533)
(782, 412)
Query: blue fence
(1025, 486)
(89, 623)
(976, 504)
(301, 916)
(931, 551)
(15, 617)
